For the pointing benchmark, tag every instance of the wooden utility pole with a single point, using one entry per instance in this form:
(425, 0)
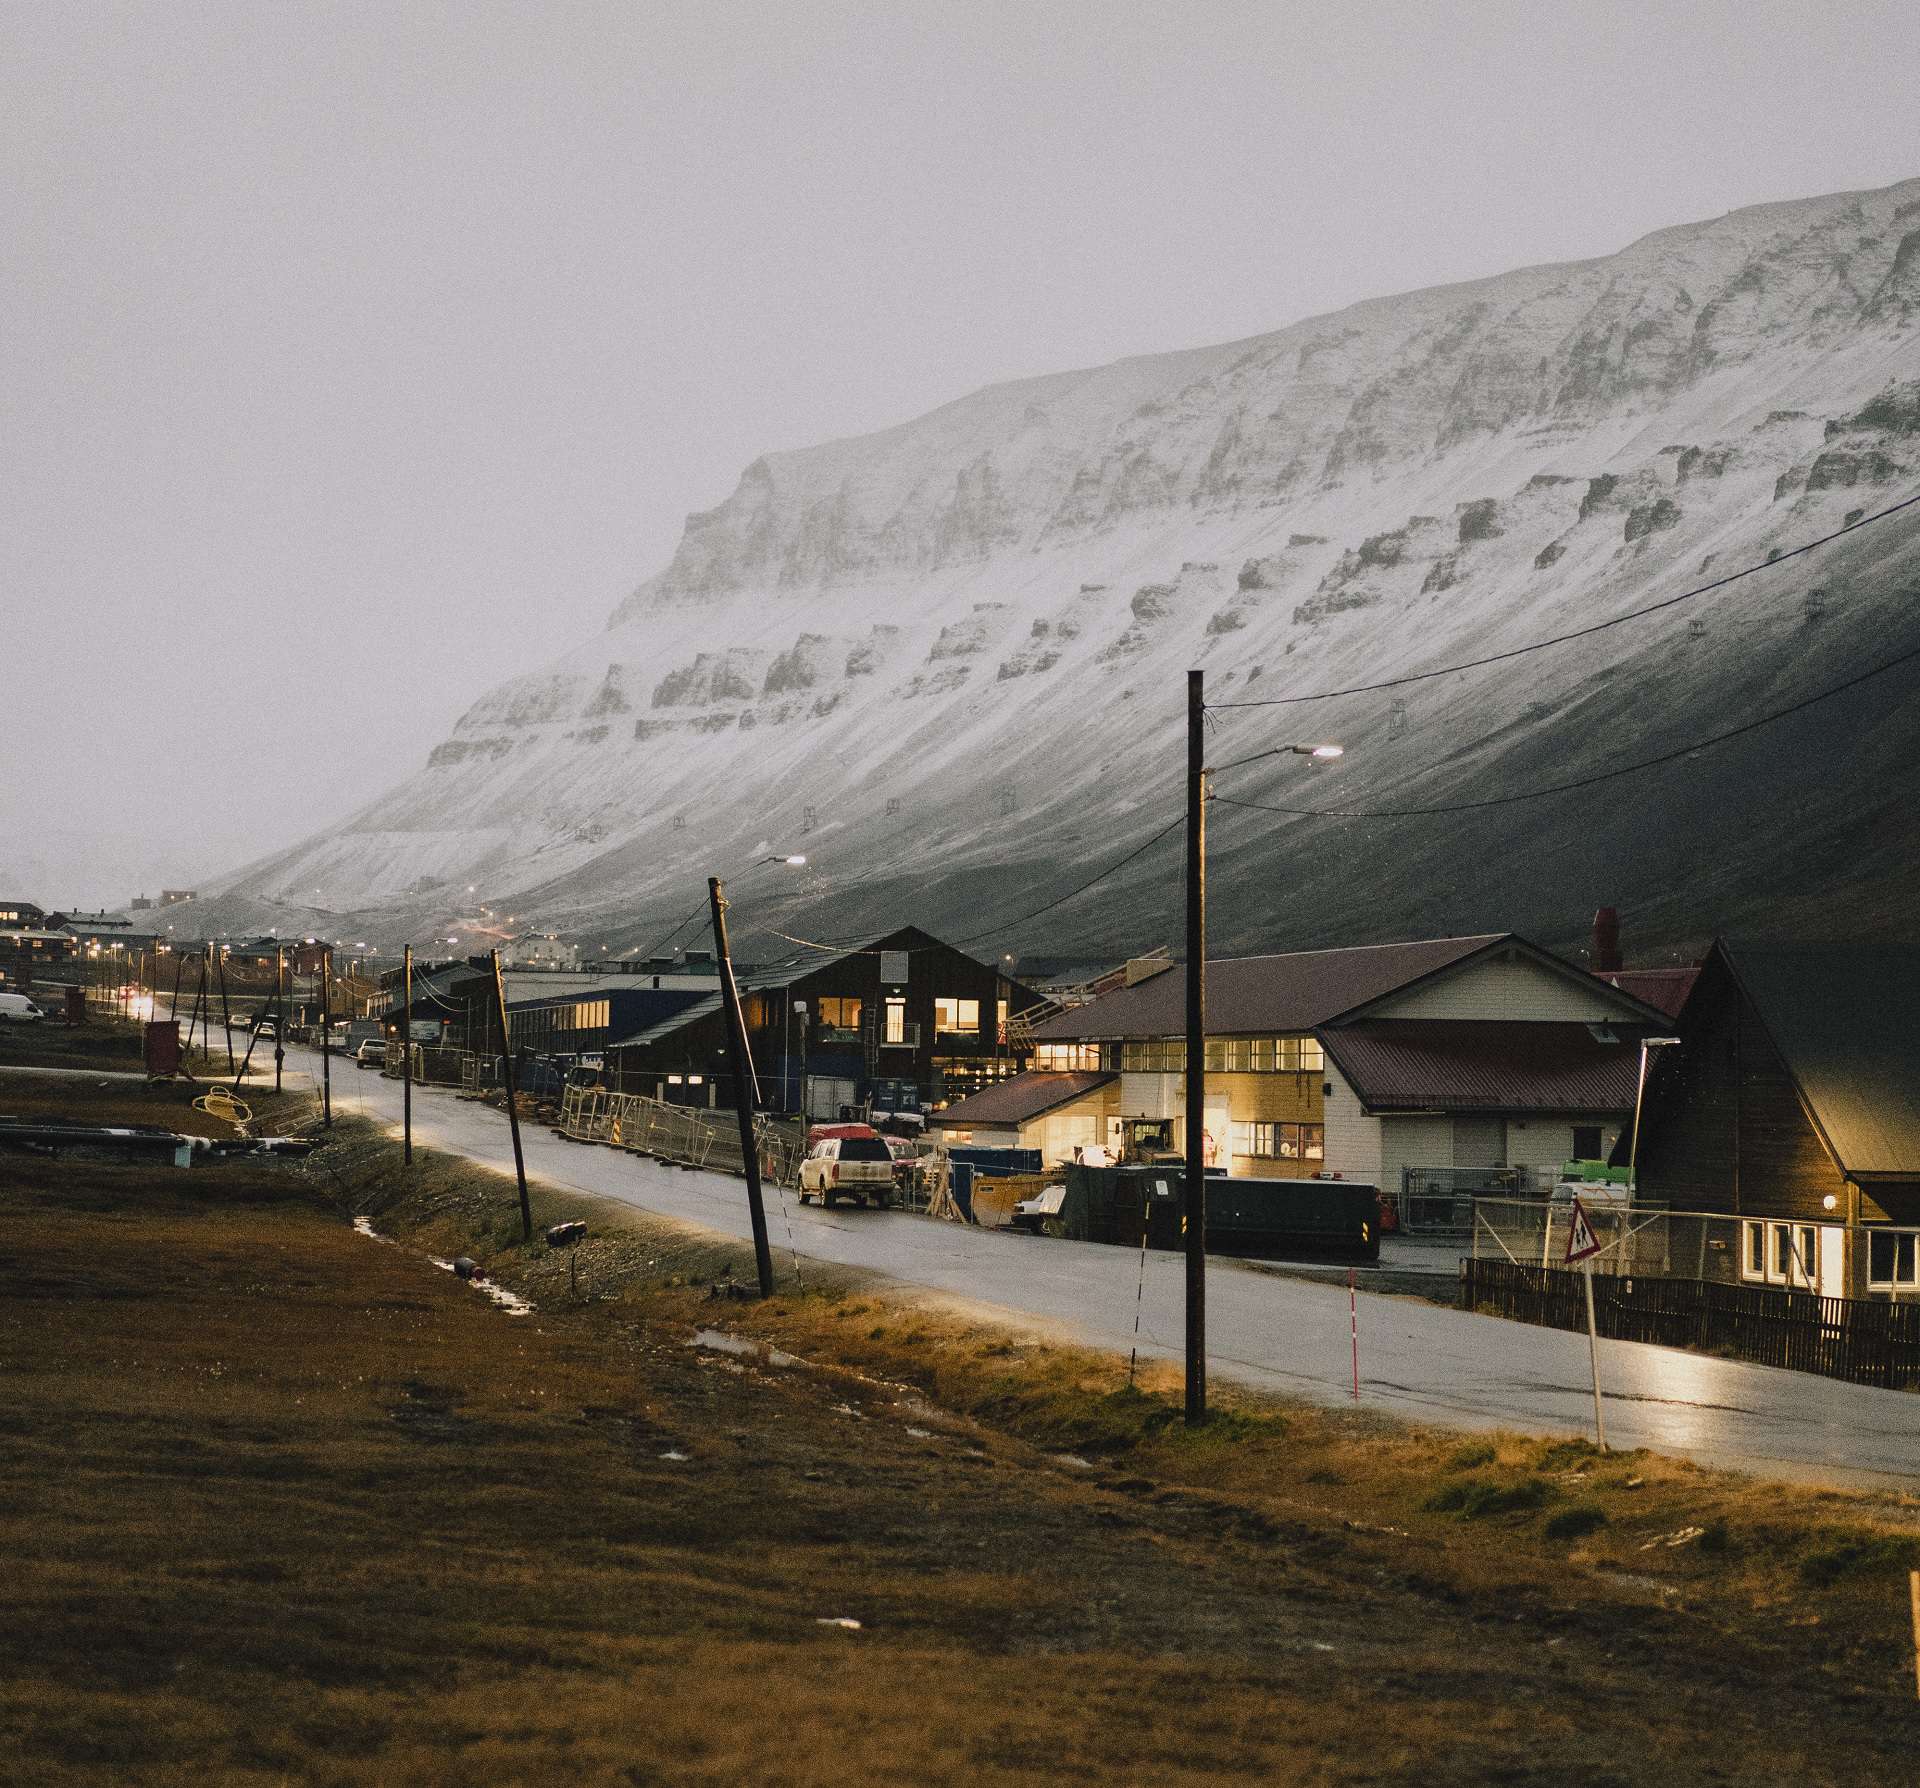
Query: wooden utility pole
(280, 1023)
(742, 1086)
(1196, 1201)
(406, 1027)
(226, 1011)
(326, 1036)
(513, 1098)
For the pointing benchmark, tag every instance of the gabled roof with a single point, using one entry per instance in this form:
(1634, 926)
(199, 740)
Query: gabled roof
(1446, 1064)
(1844, 1021)
(1024, 1096)
(1665, 989)
(1248, 995)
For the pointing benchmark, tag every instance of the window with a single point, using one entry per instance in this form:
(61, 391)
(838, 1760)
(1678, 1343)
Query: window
(956, 1017)
(1780, 1253)
(840, 1014)
(1153, 1055)
(1065, 1058)
(896, 1031)
(1280, 1142)
(1893, 1259)
(1000, 1021)
(1586, 1142)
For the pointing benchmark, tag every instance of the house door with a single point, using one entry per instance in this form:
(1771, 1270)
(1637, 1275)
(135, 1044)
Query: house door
(1479, 1142)
(1833, 1261)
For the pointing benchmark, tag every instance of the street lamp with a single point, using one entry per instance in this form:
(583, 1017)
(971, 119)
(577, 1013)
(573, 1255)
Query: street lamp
(1196, 1077)
(1647, 1046)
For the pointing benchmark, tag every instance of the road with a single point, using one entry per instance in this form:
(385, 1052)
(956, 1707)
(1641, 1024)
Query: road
(1269, 1332)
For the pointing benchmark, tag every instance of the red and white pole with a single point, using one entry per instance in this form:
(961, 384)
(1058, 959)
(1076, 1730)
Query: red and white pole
(1353, 1317)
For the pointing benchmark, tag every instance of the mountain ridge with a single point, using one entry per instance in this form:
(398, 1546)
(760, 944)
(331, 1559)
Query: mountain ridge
(921, 645)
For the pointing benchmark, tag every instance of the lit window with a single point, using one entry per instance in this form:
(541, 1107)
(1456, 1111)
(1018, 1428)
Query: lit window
(840, 1014)
(896, 1021)
(956, 1017)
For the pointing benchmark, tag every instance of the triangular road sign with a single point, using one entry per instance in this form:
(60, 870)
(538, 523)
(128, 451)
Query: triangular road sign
(1581, 1240)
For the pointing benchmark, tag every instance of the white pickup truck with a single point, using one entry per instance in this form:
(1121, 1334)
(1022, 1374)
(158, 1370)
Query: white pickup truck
(839, 1167)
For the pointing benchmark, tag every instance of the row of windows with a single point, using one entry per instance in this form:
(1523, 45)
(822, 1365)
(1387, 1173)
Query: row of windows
(577, 1015)
(1774, 1253)
(1780, 1253)
(1280, 1142)
(952, 1016)
(1168, 1055)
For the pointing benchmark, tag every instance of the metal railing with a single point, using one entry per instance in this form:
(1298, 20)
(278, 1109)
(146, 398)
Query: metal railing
(1861, 1342)
(683, 1135)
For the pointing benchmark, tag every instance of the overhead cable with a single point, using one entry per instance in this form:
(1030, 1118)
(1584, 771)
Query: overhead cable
(1561, 788)
(1560, 639)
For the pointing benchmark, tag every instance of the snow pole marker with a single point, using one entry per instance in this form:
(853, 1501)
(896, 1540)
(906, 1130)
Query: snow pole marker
(1140, 1292)
(1353, 1316)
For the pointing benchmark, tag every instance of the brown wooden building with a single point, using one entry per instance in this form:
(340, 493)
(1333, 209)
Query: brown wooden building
(1793, 1103)
(904, 1023)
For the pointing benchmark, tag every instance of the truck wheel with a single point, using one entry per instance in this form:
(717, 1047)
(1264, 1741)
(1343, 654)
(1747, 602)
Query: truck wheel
(828, 1199)
(804, 1196)
(885, 1201)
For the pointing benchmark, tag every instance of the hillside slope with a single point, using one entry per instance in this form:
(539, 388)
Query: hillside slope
(947, 660)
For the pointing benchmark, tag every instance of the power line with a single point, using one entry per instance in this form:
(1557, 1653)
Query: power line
(1560, 639)
(841, 949)
(1074, 893)
(1561, 788)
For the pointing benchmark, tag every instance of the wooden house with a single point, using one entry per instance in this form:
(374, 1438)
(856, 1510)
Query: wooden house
(1793, 1104)
(1471, 1053)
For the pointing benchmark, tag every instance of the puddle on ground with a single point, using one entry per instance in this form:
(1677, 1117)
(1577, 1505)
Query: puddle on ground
(509, 1301)
(364, 1226)
(719, 1341)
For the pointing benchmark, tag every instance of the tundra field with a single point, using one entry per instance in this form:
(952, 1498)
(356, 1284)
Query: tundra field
(286, 1504)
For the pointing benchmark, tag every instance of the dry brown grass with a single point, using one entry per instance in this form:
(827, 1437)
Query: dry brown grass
(284, 1505)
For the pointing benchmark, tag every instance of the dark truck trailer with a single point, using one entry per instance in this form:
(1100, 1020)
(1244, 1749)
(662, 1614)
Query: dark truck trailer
(1256, 1219)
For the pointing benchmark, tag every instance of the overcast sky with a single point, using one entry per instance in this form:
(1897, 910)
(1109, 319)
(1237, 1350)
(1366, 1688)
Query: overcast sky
(357, 356)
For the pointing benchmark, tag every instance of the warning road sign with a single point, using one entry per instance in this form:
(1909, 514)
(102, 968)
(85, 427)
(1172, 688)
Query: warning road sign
(1582, 1243)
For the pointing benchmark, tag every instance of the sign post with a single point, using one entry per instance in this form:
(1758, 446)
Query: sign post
(1582, 1245)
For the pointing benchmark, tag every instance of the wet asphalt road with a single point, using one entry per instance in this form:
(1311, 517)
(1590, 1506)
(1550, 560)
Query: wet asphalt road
(1270, 1332)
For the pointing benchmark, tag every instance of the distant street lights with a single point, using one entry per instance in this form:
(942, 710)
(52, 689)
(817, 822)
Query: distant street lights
(1195, 1215)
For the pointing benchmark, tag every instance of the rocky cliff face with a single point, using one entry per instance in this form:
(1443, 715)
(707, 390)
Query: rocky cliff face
(946, 660)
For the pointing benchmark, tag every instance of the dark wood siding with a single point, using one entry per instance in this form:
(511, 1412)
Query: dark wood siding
(1724, 1128)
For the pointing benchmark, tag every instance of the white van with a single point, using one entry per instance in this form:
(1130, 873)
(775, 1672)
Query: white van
(16, 1008)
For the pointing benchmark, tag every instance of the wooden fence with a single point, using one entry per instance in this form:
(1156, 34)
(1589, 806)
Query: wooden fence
(1864, 1343)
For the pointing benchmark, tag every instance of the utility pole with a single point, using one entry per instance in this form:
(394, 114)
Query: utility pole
(1196, 1203)
(226, 1012)
(280, 1007)
(742, 1086)
(326, 1036)
(406, 1025)
(513, 1098)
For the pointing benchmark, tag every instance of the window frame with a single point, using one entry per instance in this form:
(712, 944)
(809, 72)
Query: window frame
(1888, 1233)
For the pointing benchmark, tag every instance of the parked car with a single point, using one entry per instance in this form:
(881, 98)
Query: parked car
(299, 1033)
(371, 1054)
(268, 1028)
(839, 1167)
(239, 1021)
(16, 1008)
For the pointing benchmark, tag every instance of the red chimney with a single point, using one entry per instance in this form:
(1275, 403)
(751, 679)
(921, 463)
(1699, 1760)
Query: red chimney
(1606, 941)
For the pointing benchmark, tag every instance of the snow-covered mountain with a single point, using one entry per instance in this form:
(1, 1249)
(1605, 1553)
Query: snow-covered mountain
(947, 660)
